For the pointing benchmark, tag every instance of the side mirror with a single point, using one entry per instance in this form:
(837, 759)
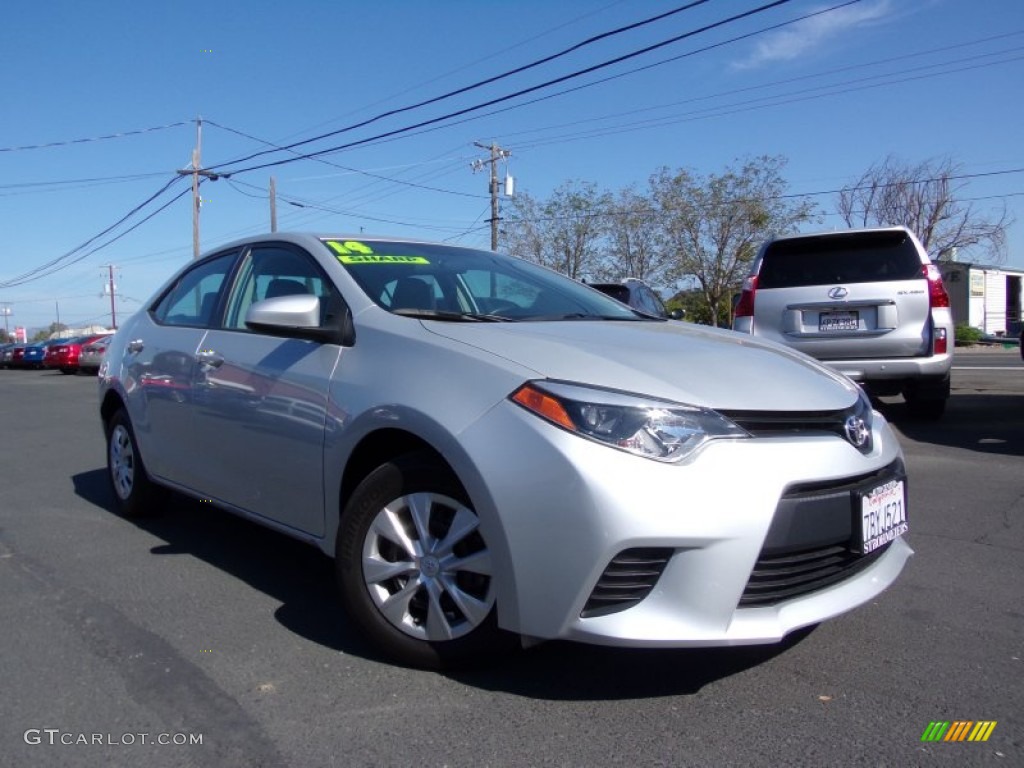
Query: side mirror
(298, 317)
(677, 314)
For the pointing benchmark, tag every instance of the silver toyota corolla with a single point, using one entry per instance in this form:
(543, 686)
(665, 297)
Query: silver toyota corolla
(492, 452)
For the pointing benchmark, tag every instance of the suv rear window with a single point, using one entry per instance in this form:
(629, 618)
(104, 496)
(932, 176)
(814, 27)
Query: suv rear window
(866, 257)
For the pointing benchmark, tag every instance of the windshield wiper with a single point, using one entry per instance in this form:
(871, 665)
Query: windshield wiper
(587, 316)
(454, 317)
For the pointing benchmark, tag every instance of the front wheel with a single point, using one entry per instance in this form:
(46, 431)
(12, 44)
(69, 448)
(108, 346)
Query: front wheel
(415, 572)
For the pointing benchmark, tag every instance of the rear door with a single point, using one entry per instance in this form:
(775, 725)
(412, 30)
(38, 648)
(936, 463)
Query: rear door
(159, 363)
(845, 296)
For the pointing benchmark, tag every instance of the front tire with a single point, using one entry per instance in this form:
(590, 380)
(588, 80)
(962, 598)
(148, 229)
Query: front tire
(133, 491)
(414, 570)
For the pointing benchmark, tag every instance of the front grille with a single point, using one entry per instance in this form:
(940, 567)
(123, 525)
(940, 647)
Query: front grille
(813, 541)
(627, 579)
(780, 577)
(790, 423)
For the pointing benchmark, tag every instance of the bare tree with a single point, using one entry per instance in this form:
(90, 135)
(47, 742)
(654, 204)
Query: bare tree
(564, 232)
(634, 230)
(923, 197)
(712, 225)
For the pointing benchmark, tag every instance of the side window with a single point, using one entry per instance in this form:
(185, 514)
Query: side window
(651, 304)
(195, 297)
(271, 271)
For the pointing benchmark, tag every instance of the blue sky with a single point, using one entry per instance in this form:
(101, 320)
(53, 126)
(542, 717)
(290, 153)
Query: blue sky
(833, 93)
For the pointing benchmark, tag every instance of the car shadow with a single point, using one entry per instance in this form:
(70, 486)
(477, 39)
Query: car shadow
(301, 578)
(564, 671)
(983, 422)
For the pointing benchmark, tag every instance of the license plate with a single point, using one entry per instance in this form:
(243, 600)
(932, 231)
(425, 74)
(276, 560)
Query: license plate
(883, 515)
(838, 321)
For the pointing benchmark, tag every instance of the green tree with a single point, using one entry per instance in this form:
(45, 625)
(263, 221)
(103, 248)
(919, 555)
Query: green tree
(563, 233)
(44, 333)
(712, 225)
(633, 239)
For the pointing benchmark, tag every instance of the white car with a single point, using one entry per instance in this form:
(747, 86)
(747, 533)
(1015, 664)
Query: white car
(492, 451)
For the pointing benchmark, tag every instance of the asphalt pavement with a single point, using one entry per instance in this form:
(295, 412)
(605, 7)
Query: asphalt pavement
(198, 639)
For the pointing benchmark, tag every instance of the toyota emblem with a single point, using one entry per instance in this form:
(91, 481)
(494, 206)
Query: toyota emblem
(838, 292)
(856, 431)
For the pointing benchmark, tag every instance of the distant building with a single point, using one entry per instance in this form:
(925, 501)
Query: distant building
(986, 297)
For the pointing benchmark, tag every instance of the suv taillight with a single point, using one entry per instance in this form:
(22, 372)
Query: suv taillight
(745, 306)
(937, 295)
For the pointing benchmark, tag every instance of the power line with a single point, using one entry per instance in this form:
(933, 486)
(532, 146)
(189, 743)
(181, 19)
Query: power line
(368, 174)
(611, 213)
(481, 83)
(471, 64)
(65, 260)
(507, 97)
(767, 85)
(119, 135)
(809, 94)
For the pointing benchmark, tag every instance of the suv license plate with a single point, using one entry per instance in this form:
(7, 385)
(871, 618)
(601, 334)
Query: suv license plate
(883, 515)
(838, 321)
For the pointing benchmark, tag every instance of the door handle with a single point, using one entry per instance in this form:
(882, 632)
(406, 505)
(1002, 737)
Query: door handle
(209, 359)
(134, 346)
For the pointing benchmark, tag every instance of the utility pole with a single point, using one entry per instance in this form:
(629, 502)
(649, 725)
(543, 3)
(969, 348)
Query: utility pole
(195, 172)
(112, 290)
(497, 153)
(5, 310)
(273, 204)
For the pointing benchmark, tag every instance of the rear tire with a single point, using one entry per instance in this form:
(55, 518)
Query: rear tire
(927, 400)
(926, 410)
(414, 570)
(134, 493)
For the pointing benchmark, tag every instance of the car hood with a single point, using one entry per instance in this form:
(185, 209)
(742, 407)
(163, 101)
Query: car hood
(702, 366)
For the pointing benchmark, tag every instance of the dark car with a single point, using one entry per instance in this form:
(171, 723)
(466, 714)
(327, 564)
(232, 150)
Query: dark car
(34, 355)
(5, 354)
(635, 293)
(15, 356)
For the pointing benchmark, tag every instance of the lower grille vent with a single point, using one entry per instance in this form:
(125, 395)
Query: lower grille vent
(783, 576)
(628, 579)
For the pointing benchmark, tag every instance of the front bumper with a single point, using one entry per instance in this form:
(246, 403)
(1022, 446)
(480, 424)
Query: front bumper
(563, 508)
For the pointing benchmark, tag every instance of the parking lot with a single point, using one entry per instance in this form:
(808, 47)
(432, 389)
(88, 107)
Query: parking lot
(197, 624)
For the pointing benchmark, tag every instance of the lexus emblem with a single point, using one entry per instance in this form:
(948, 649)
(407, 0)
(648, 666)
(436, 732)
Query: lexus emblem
(838, 292)
(856, 431)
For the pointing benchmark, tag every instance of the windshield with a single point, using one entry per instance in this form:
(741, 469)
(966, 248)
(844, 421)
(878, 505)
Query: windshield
(460, 284)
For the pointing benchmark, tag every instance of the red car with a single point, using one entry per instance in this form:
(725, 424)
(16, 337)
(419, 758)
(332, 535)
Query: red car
(65, 353)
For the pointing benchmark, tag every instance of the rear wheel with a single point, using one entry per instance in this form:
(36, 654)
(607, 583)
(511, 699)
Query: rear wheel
(927, 400)
(133, 491)
(414, 569)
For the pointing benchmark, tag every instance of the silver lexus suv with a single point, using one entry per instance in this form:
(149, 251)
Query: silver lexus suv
(867, 302)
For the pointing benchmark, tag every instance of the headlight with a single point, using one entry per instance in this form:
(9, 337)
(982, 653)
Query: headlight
(655, 429)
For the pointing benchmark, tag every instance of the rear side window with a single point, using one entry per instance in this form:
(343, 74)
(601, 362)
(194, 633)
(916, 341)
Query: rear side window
(194, 298)
(866, 257)
(617, 292)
